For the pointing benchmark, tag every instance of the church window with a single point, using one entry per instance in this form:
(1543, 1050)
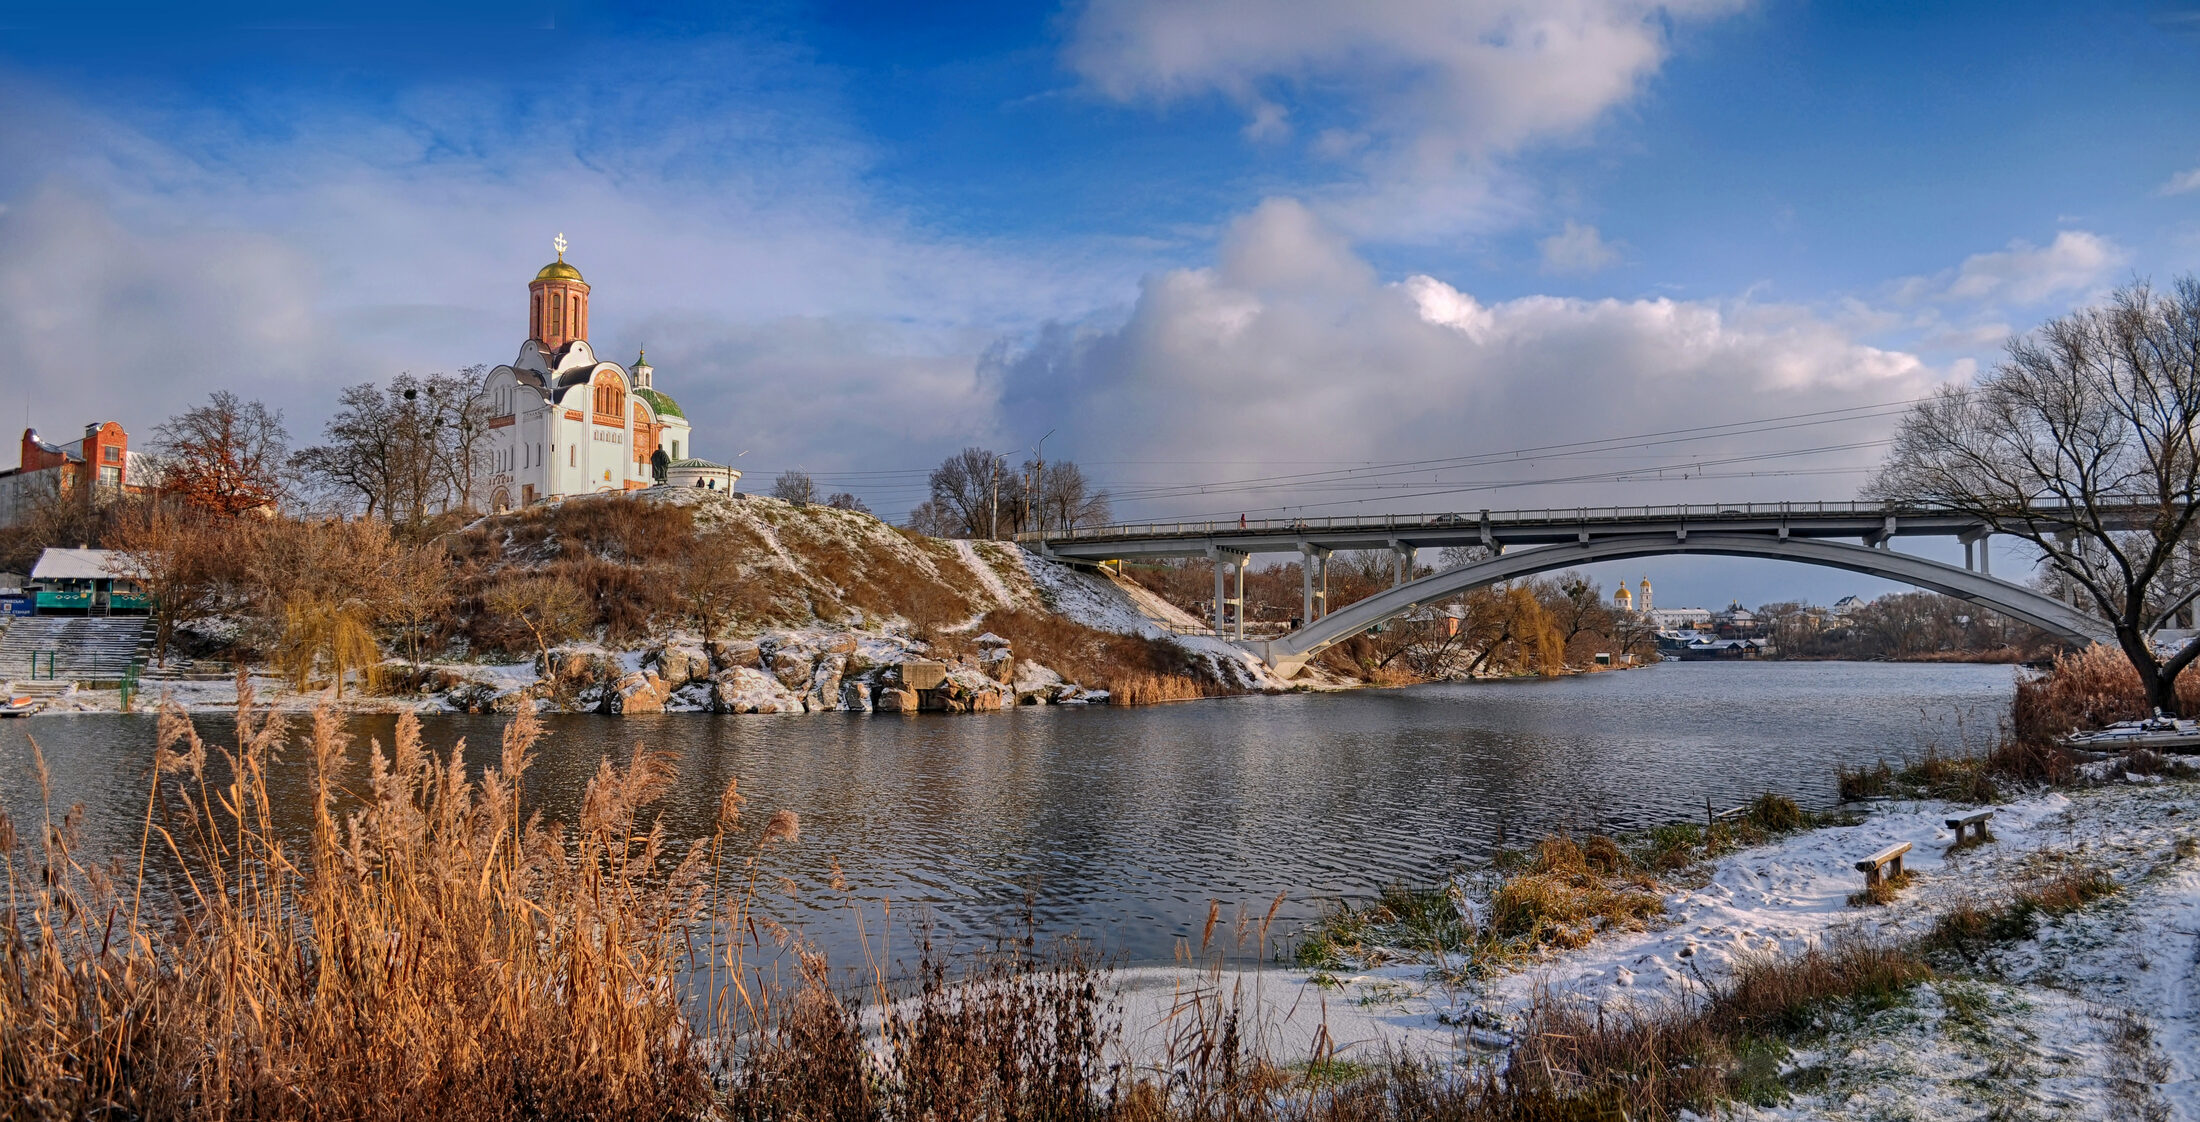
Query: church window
(676, 449)
(572, 451)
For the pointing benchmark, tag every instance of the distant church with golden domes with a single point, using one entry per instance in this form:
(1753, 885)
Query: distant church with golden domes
(563, 422)
(1625, 601)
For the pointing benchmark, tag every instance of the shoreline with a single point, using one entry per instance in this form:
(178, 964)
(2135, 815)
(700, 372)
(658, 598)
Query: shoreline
(2070, 1010)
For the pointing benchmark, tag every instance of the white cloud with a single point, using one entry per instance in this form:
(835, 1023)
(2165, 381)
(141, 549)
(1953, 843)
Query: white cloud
(2181, 183)
(1442, 86)
(1577, 249)
(2027, 274)
(1290, 349)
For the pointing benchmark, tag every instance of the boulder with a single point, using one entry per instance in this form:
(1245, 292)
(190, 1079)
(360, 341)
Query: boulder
(639, 693)
(725, 654)
(824, 691)
(855, 697)
(998, 664)
(745, 689)
(896, 701)
(681, 664)
(843, 644)
(793, 668)
(1035, 684)
(990, 641)
(983, 701)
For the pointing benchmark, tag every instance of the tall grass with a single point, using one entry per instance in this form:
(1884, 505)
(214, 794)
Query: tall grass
(427, 952)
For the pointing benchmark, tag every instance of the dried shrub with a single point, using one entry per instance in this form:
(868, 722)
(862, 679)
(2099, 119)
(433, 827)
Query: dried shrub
(1864, 782)
(1561, 901)
(1882, 891)
(1969, 925)
(1135, 670)
(2088, 689)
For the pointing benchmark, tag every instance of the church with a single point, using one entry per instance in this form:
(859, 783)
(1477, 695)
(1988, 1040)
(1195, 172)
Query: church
(563, 422)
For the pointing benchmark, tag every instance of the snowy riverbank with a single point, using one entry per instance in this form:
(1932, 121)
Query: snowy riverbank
(2096, 1015)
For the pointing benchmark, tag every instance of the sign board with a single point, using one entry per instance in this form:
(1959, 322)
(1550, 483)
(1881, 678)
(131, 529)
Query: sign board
(923, 675)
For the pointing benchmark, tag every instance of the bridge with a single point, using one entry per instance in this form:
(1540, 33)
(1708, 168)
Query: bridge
(1856, 536)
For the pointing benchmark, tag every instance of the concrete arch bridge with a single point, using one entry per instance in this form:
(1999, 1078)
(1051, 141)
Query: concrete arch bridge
(1843, 535)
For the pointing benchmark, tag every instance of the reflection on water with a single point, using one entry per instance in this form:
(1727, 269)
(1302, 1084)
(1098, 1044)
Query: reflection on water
(1124, 824)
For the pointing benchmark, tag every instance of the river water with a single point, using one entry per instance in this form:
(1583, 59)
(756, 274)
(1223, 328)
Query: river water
(1123, 824)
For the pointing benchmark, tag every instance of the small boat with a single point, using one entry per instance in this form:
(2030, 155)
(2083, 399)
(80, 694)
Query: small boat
(18, 706)
(2158, 731)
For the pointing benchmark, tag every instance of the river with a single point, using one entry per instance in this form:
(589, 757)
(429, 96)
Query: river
(1123, 824)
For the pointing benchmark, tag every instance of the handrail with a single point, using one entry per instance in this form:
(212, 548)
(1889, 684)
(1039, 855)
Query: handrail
(1460, 520)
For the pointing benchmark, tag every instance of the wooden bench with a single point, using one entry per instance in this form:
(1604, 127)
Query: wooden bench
(1974, 822)
(1888, 859)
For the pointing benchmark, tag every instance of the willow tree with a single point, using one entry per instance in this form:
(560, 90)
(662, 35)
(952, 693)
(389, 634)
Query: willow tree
(2082, 444)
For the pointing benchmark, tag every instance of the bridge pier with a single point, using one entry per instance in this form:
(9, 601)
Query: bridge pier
(1401, 562)
(1978, 543)
(1224, 601)
(1314, 596)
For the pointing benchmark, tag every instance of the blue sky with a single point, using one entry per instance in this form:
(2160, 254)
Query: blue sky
(1199, 240)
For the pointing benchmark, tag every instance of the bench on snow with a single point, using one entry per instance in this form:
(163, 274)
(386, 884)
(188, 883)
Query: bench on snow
(1888, 859)
(1975, 822)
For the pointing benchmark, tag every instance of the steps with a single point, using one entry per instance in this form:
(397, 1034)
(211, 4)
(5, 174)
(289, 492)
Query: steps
(84, 648)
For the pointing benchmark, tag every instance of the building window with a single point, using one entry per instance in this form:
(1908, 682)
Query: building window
(572, 451)
(675, 449)
(110, 476)
(111, 454)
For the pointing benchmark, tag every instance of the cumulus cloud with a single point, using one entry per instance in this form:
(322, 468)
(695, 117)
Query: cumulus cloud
(1443, 86)
(2027, 274)
(1577, 249)
(2181, 183)
(1291, 349)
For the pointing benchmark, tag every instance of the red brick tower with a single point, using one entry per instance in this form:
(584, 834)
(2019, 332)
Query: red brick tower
(557, 304)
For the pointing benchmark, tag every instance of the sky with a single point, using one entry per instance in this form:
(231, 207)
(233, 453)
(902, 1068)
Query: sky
(1231, 257)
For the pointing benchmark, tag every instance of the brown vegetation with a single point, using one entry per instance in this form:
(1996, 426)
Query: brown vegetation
(2085, 690)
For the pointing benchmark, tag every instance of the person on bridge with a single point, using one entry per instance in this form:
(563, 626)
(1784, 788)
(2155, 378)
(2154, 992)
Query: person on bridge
(1241, 521)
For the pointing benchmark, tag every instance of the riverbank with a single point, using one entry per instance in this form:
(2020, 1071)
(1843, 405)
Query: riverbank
(2091, 1013)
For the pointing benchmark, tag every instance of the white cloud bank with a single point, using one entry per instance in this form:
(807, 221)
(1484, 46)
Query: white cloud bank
(1290, 349)
(2027, 274)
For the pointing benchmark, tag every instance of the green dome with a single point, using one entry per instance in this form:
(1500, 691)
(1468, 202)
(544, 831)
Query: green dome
(660, 404)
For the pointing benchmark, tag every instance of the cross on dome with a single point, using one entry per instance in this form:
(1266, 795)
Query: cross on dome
(559, 243)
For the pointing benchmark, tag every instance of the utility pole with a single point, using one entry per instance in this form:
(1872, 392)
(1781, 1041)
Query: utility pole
(1038, 476)
(993, 505)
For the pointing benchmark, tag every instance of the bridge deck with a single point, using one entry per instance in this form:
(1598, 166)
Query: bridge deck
(1501, 527)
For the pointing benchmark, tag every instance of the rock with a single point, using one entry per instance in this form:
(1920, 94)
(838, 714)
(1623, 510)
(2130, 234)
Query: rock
(824, 692)
(639, 693)
(1037, 685)
(725, 654)
(679, 665)
(990, 641)
(744, 689)
(793, 669)
(855, 697)
(983, 701)
(897, 701)
(845, 644)
(998, 664)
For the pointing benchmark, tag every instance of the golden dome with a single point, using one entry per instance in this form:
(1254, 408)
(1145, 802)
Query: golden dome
(558, 270)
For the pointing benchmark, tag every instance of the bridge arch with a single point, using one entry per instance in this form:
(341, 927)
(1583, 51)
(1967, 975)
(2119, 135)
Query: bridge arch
(1289, 654)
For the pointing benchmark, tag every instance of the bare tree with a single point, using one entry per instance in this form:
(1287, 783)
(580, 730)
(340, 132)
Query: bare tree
(548, 606)
(1066, 501)
(403, 449)
(225, 457)
(843, 500)
(965, 492)
(795, 487)
(172, 550)
(2082, 444)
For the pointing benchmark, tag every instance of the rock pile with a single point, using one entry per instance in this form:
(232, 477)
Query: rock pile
(778, 672)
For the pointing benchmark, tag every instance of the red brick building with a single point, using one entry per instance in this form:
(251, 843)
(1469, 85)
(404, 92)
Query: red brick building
(99, 464)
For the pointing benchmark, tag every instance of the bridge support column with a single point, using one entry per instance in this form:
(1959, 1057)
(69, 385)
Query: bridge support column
(1401, 562)
(1977, 550)
(1313, 589)
(1223, 600)
(1242, 561)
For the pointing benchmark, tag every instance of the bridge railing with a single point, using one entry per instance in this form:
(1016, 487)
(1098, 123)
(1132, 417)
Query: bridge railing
(1456, 520)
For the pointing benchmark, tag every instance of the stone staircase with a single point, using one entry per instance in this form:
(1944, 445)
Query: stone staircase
(83, 649)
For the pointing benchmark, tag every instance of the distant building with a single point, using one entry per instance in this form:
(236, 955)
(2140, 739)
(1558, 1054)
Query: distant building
(1623, 600)
(93, 582)
(99, 465)
(1845, 607)
(1678, 619)
(1644, 601)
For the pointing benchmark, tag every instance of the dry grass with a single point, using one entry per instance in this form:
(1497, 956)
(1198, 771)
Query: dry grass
(1563, 900)
(1881, 892)
(1133, 669)
(1970, 925)
(428, 952)
(2088, 689)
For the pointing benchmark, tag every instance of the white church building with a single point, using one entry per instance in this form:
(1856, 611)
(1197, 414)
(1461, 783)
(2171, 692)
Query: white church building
(563, 422)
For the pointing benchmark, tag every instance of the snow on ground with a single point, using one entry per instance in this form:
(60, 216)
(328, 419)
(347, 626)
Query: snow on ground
(987, 578)
(2098, 1016)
